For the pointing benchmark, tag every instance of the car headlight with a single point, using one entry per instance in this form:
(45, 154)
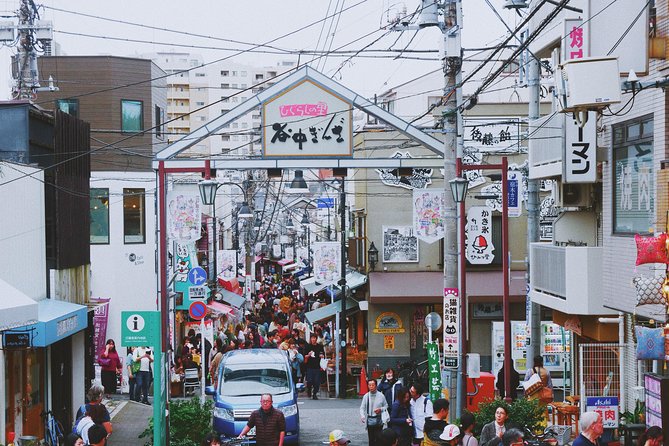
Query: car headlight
(289, 411)
(224, 414)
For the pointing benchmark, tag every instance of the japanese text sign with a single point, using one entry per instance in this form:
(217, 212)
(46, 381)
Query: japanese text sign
(580, 161)
(574, 42)
(434, 371)
(478, 229)
(451, 327)
(140, 328)
(306, 121)
(607, 407)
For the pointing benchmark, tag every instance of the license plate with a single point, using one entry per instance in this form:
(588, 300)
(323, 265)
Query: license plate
(252, 432)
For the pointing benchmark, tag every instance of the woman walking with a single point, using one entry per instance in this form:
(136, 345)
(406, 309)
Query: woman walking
(400, 418)
(111, 367)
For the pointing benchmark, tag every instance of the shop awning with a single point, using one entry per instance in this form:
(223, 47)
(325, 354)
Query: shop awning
(307, 281)
(355, 280)
(329, 311)
(16, 309)
(415, 288)
(56, 320)
(302, 272)
(290, 267)
(218, 307)
(231, 285)
(233, 299)
(284, 262)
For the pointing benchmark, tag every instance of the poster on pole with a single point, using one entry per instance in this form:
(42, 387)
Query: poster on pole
(428, 215)
(451, 327)
(183, 217)
(478, 231)
(327, 261)
(225, 263)
(400, 244)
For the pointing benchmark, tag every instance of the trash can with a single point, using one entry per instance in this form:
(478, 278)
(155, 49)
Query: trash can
(479, 390)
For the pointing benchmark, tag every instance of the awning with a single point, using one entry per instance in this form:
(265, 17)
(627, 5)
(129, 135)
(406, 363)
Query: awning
(289, 267)
(231, 285)
(329, 311)
(302, 272)
(16, 309)
(284, 262)
(317, 287)
(307, 281)
(220, 308)
(233, 299)
(355, 280)
(56, 320)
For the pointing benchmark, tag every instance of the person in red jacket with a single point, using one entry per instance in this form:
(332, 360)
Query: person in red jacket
(111, 367)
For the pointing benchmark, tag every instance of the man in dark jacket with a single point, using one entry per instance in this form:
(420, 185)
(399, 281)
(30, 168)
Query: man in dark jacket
(269, 422)
(313, 353)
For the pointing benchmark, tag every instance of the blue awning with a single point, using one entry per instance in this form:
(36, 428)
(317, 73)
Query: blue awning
(56, 320)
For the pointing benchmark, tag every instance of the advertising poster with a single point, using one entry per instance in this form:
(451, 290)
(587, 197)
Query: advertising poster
(225, 263)
(327, 261)
(183, 217)
(400, 244)
(478, 229)
(428, 217)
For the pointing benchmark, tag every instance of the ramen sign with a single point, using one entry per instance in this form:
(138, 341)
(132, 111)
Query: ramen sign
(307, 120)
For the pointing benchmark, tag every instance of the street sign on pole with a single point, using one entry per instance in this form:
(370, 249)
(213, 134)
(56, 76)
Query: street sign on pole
(197, 276)
(434, 371)
(197, 310)
(432, 322)
(451, 327)
(140, 328)
(198, 292)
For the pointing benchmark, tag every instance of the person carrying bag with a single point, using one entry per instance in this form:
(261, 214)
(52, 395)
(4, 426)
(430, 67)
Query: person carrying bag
(538, 383)
(372, 410)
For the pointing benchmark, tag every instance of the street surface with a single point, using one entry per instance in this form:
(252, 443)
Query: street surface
(318, 418)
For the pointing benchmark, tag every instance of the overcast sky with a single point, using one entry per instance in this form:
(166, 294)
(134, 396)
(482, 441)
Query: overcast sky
(257, 22)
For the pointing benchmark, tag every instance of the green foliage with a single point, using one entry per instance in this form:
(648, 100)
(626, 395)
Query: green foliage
(522, 412)
(190, 422)
(636, 417)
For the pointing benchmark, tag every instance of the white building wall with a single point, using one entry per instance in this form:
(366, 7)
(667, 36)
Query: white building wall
(22, 230)
(131, 285)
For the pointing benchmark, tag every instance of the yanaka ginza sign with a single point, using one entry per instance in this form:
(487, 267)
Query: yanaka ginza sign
(307, 120)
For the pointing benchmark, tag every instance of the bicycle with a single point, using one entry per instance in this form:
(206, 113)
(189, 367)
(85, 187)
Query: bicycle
(54, 434)
(549, 437)
(411, 372)
(234, 441)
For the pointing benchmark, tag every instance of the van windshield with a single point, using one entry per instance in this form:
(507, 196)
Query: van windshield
(254, 379)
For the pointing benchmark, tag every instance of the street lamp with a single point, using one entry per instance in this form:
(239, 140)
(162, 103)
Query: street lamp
(373, 255)
(305, 224)
(289, 224)
(298, 185)
(459, 188)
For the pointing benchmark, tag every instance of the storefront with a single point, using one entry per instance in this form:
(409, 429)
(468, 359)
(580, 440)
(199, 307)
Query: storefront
(38, 373)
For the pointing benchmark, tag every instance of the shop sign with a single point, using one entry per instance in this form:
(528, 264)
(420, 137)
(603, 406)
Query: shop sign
(140, 328)
(607, 407)
(580, 144)
(451, 327)
(479, 247)
(434, 371)
(514, 180)
(100, 322)
(16, 340)
(491, 134)
(388, 322)
(327, 261)
(420, 178)
(487, 311)
(307, 120)
(575, 46)
(225, 263)
(389, 342)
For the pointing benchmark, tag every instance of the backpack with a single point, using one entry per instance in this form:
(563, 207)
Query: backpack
(81, 413)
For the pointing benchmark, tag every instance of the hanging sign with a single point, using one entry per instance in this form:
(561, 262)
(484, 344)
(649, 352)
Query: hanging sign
(479, 246)
(420, 178)
(580, 161)
(327, 261)
(451, 327)
(289, 253)
(428, 216)
(307, 120)
(607, 407)
(388, 323)
(225, 263)
(183, 217)
(434, 371)
(514, 181)
(276, 251)
(574, 44)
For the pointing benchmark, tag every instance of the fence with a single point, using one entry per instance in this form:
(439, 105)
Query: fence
(599, 371)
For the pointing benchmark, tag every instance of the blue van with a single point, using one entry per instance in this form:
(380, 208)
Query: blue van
(243, 376)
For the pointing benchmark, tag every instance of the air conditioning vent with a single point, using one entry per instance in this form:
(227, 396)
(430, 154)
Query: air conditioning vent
(574, 195)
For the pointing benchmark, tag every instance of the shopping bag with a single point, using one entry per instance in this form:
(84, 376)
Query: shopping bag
(533, 384)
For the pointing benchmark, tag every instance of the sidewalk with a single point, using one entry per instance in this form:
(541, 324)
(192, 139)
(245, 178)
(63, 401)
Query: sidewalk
(129, 419)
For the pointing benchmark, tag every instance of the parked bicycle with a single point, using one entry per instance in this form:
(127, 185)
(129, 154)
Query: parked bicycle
(411, 372)
(549, 437)
(54, 434)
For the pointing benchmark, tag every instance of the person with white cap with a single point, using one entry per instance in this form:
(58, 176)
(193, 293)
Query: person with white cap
(451, 434)
(337, 438)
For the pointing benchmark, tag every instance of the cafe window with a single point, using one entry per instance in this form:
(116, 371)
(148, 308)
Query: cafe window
(133, 216)
(633, 201)
(131, 116)
(99, 209)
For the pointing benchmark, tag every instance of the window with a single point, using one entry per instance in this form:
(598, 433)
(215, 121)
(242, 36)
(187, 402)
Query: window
(225, 85)
(235, 125)
(199, 103)
(235, 138)
(225, 73)
(131, 116)
(199, 74)
(224, 110)
(234, 73)
(69, 106)
(259, 77)
(225, 137)
(235, 99)
(99, 208)
(234, 85)
(245, 86)
(160, 117)
(133, 216)
(633, 203)
(243, 73)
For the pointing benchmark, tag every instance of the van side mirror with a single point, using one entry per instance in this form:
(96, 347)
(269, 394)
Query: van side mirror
(210, 390)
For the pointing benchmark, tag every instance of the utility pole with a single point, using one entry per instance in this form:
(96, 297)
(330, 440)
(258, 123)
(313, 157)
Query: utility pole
(342, 284)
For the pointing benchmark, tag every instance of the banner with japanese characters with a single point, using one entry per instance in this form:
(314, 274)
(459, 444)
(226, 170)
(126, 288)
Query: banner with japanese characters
(428, 215)
(303, 255)
(580, 160)
(478, 232)
(289, 253)
(327, 261)
(434, 371)
(307, 120)
(451, 327)
(183, 217)
(574, 44)
(225, 263)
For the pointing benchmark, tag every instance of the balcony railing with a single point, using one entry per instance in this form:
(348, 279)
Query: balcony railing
(546, 146)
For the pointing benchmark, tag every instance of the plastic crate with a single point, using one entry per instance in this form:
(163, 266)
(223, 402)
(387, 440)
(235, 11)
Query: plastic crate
(562, 434)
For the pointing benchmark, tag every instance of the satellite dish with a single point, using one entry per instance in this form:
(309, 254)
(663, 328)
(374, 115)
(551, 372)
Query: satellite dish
(433, 321)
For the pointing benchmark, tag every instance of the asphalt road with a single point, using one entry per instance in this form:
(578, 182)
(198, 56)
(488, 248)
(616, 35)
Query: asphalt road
(318, 418)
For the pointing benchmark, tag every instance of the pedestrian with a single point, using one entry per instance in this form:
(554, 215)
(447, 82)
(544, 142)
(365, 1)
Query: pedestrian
(495, 428)
(400, 419)
(270, 423)
(467, 423)
(389, 385)
(420, 409)
(95, 394)
(337, 438)
(97, 436)
(372, 407)
(211, 440)
(513, 437)
(545, 393)
(216, 361)
(132, 368)
(111, 367)
(434, 425)
(144, 356)
(313, 354)
(74, 439)
(652, 437)
(450, 434)
(591, 429)
(515, 382)
(387, 437)
(95, 415)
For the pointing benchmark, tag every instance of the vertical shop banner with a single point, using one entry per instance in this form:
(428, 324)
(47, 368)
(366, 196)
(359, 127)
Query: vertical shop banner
(303, 255)
(185, 260)
(451, 327)
(327, 261)
(478, 231)
(428, 215)
(100, 321)
(290, 253)
(434, 370)
(225, 263)
(276, 251)
(580, 163)
(514, 182)
(183, 217)
(607, 407)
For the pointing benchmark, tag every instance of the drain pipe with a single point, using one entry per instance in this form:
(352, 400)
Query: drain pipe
(620, 320)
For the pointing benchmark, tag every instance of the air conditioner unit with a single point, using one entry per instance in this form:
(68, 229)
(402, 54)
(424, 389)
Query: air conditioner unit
(574, 195)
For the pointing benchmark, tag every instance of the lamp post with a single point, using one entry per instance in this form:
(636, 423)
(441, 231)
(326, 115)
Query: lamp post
(372, 255)
(305, 224)
(459, 187)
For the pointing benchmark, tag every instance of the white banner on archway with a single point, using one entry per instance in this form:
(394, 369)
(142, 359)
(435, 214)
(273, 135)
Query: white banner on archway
(428, 215)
